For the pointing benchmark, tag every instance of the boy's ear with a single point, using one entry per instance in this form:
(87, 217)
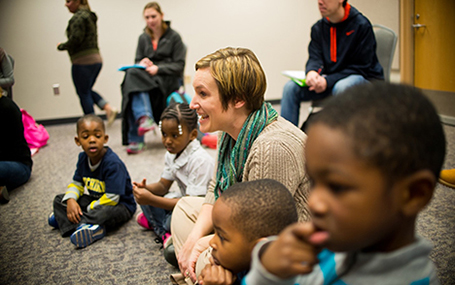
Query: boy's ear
(76, 140)
(419, 188)
(106, 138)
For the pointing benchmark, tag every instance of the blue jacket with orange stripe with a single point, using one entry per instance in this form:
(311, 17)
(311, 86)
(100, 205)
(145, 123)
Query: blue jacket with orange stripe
(345, 48)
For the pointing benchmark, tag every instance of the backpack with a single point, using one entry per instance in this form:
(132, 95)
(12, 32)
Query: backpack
(35, 134)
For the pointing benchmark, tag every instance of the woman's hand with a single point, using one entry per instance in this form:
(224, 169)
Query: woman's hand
(73, 211)
(152, 70)
(146, 62)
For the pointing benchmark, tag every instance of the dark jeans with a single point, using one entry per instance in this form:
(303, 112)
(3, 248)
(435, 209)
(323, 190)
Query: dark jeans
(84, 77)
(109, 216)
(158, 218)
(13, 174)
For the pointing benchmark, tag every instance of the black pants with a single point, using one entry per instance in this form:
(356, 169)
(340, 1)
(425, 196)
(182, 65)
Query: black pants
(109, 216)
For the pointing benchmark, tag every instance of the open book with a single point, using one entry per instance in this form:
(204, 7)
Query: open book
(298, 76)
(125, 67)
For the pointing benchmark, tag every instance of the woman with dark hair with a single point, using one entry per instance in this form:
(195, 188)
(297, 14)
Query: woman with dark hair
(82, 47)
(161, 52)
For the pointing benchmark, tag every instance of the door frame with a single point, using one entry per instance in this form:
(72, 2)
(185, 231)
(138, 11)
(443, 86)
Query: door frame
(407, 41)
(407, 49)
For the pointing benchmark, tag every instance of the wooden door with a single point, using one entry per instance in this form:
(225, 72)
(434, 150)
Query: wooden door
(434, 53)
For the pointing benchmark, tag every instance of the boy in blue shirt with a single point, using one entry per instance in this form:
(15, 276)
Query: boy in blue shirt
(373, 156)
(109, 202)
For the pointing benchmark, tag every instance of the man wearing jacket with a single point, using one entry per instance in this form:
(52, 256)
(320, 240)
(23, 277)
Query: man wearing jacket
(342, 53)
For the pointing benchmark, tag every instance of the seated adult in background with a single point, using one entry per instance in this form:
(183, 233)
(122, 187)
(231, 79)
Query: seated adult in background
(254, 143)
(161, 51)
(6, 73)
(342, 53)
(15, 157)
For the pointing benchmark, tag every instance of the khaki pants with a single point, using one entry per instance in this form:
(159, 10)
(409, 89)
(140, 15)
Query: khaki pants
(184, 216)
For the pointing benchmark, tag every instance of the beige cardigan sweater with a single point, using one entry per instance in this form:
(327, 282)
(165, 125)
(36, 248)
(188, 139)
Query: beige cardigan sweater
(277, 153)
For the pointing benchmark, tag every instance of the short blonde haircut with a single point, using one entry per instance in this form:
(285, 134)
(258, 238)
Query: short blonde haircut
(238, 75)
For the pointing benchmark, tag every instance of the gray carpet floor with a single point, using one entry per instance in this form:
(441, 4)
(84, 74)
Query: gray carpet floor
(31, 252)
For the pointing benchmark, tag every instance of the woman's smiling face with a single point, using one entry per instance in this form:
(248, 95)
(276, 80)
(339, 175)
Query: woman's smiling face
(207, 103)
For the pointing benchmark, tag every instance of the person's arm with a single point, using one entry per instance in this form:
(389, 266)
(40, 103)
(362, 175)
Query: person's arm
(8, 75)
(361, 54)
(77, 27)
(140, 50)
(148, 195)
(175, 64)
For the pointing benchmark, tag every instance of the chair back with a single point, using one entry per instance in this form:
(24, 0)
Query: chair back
(386, 41)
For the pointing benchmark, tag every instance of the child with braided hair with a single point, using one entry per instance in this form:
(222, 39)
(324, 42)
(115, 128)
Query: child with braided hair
(186, 162)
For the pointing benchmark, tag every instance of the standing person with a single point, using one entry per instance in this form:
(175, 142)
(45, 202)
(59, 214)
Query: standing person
(185, 162)
(6, 73)
(82, 47)
(342, 53)
(254, 143)
(144, 91)
(369, 185)
(15, 157)
(109, 203)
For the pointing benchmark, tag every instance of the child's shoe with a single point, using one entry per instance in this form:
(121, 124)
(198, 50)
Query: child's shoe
(135, 147)
(52, 221)
(145, 124)
(447, 177)
(167, 239)
(142, 221)
(87, 234)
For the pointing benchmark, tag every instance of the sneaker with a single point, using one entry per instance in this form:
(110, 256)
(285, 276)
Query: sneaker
(52, 221)
(87, 234)
(447, 177)
(4, 195)
(145, 124)
(167, 239)
(142, 221)
(135, 147)
(111, 116)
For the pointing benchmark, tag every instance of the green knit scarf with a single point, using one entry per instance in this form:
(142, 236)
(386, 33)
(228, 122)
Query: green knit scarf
(232, 154)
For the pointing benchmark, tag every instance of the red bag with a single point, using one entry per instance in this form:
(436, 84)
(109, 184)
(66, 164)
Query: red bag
(35, 134)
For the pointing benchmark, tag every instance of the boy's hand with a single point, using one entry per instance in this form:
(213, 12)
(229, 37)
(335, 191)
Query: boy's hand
(142, 195)
(140, 184)
(73, 211)
(293, 253)
(213, 274)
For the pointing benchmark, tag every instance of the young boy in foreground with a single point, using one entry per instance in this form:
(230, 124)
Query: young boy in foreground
(110, 202)
(245, 213)
(373, 155)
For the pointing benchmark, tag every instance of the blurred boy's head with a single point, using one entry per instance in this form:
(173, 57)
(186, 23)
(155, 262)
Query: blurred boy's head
(245, 213)
(91, 137)
(373, 155)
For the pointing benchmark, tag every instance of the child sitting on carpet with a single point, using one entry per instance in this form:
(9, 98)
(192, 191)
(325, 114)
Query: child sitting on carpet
(242, 216)
(109, 202)
(186, 162)
(373, 155)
